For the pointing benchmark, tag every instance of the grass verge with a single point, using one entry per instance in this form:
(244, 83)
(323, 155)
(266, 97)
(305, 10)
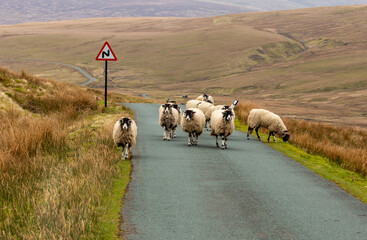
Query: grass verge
(352, 182)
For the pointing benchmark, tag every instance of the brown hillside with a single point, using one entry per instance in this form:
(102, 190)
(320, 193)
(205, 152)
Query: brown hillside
(308, 63)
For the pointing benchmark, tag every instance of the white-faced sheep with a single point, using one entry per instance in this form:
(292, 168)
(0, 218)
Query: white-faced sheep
(206, 98)
(193, 104)
(124, 135)
(263, 118)
(168, 120)
(222, 124)
(192, 122)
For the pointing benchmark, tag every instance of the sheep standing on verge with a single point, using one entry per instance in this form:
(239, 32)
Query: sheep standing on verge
(222, 124)
(168, 119)
(206, 98)
(192, 122)
(263, 118)
(124, 135)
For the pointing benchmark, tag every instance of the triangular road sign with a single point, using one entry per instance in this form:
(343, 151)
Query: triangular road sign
(106, 53)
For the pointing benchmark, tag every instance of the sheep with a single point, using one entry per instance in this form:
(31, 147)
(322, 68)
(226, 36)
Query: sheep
(168, 120)
(207, 109)
(263, 118)
(222, 124)
(192, 122)
(124, 135)
(193, 104)
(205, 97)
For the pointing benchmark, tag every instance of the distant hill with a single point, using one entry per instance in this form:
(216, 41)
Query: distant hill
(304, 63)
(19, 11)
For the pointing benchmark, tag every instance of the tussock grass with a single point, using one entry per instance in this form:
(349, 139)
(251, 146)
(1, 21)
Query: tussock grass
(57, 163)
(343, 145)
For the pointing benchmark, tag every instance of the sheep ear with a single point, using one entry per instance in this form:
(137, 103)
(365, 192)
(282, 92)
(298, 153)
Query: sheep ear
(129, 121)
(193, 112)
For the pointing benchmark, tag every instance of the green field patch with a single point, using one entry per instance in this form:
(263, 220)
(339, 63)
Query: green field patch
(352, 182)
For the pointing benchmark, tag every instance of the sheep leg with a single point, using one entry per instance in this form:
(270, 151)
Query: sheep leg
(189, 140)
(270, 134)
(196, 139)
(225, 142)
(126, 151)
(257, 133)
(123, 153)
(249, 132)
(216, 140)
(168, 134)
(206, 124)
(164, 133)
(274, 137)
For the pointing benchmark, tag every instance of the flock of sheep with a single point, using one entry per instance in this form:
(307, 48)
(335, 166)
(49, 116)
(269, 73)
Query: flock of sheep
(199, 114)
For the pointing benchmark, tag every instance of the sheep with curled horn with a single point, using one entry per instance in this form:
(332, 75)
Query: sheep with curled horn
(124, 135)
(168, 120)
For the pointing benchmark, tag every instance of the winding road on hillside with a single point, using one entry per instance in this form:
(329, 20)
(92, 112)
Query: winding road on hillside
(248, 191)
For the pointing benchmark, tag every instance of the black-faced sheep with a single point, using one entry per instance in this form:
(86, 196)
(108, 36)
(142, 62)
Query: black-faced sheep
(222, 124)
(206, 98)
(168, 120)
(263, 118)
(124, 135)
(192, 122)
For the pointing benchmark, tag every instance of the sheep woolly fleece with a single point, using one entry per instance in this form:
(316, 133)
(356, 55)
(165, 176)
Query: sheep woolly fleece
(219, 126)
(170, 120)
(195, 125)
(266, 119)
(123, 137)
(193, 104)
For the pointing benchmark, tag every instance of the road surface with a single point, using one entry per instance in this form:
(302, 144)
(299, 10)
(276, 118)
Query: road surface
(248, 191)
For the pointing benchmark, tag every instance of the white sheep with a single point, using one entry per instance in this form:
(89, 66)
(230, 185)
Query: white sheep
(222, 124)
(263, 118)
(207, 109)
(193, 104)
(192, 122)
(124, 135)
(206, 98)
(168, 120)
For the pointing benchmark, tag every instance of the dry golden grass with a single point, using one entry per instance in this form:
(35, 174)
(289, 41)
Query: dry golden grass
(344, 145)
(55, 163)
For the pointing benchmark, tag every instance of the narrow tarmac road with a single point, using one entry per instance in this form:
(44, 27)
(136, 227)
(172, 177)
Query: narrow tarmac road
(248, 191)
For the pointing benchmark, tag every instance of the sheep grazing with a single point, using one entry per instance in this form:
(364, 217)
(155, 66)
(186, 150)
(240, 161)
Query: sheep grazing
(192, 122)
(263, 118)
(222, 124)
(206, 98)
(168, 119)
(124, 135)
(193, 104)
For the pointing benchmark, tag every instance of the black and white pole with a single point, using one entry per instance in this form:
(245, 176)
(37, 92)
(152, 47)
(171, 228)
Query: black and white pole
(105, 85)
(106, 54)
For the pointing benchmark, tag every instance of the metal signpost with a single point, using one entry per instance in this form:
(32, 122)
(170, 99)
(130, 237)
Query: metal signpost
(106, 54)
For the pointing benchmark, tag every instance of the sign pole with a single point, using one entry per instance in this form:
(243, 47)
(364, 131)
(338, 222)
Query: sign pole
(106, 54)
(105, 89)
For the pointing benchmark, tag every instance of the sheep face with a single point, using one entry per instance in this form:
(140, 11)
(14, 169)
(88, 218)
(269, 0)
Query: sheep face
(125, 123)
(225, 107)
(285, 136)
(167, 107)
(227, 115)
(189, 114)
(205, 96)
(175, 106)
